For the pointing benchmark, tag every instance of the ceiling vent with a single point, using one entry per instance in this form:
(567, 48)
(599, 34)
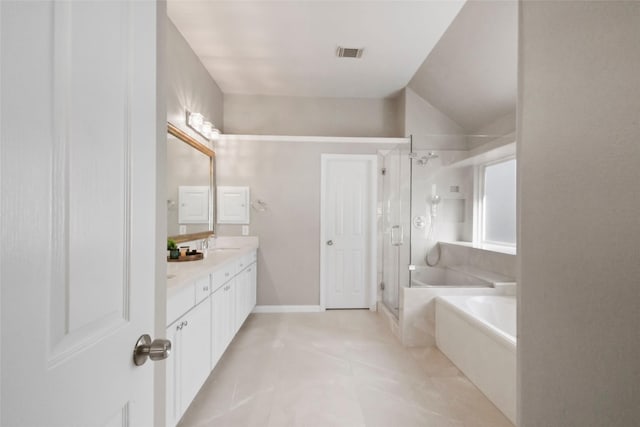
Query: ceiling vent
(349, 52)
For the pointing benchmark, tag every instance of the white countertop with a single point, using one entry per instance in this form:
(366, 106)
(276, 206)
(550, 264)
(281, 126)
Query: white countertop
(227, 249)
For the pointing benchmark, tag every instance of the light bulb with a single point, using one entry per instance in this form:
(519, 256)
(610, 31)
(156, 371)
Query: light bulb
(207, 127)
(196, 120)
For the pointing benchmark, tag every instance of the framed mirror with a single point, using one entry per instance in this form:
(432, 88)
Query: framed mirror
(190, 187)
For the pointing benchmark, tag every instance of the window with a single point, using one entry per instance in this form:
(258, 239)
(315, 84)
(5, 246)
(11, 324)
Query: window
(497, 204)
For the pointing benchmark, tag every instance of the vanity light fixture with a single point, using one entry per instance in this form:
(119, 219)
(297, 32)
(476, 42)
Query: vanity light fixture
(205, 128)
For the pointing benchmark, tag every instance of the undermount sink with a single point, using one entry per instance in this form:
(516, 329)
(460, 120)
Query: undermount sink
(223, 249)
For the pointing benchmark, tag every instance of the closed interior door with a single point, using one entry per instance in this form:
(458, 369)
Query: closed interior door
(79, 137)
(348, 231)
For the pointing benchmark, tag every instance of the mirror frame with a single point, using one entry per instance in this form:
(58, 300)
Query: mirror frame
(188, 139)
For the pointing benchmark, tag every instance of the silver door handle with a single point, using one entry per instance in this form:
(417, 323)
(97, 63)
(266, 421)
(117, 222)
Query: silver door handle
(145, 349)
(329, 242)
(397, 235)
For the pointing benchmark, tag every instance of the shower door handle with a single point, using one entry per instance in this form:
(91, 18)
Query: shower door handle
(397, 235)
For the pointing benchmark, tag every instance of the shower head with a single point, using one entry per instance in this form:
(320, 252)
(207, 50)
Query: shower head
(422, 161)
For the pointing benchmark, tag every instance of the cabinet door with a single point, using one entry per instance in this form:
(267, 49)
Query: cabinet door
(233, 205)
(242, 297)
(195, 347)
(173, 409)
(219, 324)
(230, 306)
(253, 286)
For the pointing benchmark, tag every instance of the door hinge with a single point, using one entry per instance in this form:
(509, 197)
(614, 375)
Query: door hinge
(382, 286)
(383, 171)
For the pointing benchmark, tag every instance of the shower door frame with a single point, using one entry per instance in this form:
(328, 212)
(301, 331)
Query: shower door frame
(402, 256)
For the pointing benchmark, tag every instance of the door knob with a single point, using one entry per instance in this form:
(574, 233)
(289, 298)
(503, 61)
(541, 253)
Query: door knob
(330, 242)
(144, 349)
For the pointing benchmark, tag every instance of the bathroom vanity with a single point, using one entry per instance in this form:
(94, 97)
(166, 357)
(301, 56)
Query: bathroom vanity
(207, 303)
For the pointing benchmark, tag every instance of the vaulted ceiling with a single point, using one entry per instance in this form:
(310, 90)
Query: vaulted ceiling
(459, 55)
(289, 47)
(471, 74)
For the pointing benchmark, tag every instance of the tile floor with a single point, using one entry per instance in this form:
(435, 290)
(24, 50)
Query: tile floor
(337, 368)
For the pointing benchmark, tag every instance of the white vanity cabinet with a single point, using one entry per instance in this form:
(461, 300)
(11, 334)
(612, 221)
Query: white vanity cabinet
(253, 291)
(195, 347)
(245, 294)
(204, 317)
(189, 364)
(222, 318)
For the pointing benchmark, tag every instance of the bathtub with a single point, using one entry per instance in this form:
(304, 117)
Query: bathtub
(478, 334)
(417, 317)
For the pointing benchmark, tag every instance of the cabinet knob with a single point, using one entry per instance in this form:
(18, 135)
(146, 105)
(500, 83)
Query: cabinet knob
(144, 349)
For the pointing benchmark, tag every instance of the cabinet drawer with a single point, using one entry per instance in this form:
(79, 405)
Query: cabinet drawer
(180, 302)
(203, 288)
(223, 274)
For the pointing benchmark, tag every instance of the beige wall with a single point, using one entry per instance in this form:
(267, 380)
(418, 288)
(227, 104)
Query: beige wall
(282, 115)
(504, 125)
(579, 168)
(189, 85)
(422, 118)
(429, 127)
(286, 175)
(501, 126)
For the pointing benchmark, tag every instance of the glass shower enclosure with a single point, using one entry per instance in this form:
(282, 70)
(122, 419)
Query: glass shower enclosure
(427, 197)
(396, 191)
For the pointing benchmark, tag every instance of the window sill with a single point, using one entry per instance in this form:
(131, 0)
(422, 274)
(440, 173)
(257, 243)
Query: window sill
(508, 250)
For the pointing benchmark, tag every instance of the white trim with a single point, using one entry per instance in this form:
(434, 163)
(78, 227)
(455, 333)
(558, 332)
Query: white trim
(372, 159)
(287, 309)
(313, 139)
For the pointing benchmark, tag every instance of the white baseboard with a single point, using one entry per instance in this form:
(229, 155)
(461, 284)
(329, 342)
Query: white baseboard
(287, 309)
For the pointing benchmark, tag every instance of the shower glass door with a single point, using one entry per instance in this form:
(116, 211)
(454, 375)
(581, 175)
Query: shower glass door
(396, 190)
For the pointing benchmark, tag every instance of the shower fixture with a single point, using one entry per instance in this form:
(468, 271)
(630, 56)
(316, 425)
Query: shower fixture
(422, 161)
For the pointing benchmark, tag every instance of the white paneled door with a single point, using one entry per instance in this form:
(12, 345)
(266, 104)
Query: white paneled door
(348, 231)
(79, 130)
